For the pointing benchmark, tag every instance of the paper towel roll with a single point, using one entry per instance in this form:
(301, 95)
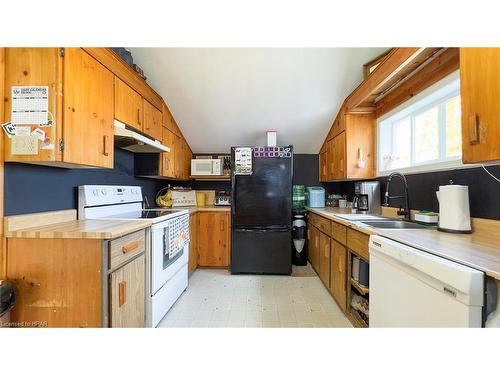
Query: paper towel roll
(454, 212)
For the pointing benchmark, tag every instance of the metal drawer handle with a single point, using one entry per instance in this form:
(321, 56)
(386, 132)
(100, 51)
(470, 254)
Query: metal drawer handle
(122, 293)
(130, 247)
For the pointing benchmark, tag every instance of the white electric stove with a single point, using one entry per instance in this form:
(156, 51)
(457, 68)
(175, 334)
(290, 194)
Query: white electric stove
(167, 239)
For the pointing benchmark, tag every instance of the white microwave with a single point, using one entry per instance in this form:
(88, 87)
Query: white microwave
(206, 167)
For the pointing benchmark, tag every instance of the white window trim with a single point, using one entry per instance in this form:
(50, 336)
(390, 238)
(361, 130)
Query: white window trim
(404, 110)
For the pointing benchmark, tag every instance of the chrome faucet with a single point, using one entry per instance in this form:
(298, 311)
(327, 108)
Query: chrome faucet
(387, 198)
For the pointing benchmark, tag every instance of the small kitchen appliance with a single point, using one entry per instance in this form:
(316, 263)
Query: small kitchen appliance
(206, 167)
(315, 197)
(454, 212)
(167, 241)
(367, 197)
(222, 198)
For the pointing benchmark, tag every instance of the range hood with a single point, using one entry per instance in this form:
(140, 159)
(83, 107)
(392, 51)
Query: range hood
(133, 141)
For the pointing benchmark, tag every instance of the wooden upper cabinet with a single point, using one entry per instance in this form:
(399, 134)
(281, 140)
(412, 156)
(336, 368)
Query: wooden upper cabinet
(88, 110)
(213, 239)
(34, 67)
(323, 166)
(479, 90)
(343, 152)
(152, 124)
(128, 105)
(360, 145)
(339, 157)
(168, 158)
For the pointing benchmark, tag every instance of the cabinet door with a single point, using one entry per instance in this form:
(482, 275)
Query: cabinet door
(187, 161)
(168, 158)
(324, 259)
(313, 253)
(127, 295)
(88, 110)
(338, 282)
(213, 239)
(178, 156)
(128, 105)
(361, 133)
(480, 89)
(323, 164)
(330, 156)
(152, 121)
(193, 244)
(339, 157)
(32, 67)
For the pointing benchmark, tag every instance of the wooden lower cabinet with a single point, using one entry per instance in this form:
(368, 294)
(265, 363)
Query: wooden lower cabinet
(324, 259)
(313, 249)
(338, 280)
(193, 244)
(78, 282)
(213, 239)
(127, 294)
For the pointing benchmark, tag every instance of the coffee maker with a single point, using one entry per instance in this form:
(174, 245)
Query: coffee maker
(367, 197)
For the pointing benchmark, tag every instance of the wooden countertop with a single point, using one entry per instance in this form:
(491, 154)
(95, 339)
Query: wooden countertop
(63, 224)
(473, 250)
(83, 229)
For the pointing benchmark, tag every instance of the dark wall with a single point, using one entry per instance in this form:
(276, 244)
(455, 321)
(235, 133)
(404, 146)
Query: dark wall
(483, 190)
(305, 169)
(34, 188)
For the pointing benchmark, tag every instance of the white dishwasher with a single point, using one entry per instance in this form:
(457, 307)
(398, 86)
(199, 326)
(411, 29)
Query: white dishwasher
(412, 288)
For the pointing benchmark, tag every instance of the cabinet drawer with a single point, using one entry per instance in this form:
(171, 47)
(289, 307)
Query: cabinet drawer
(124, 248)
(339, 232)
(320, 222)
(358, 242)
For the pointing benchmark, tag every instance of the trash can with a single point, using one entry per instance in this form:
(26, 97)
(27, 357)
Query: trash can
(299, 237)
(7, 301)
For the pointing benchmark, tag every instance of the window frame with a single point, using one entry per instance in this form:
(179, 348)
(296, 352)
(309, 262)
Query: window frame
(435, 96)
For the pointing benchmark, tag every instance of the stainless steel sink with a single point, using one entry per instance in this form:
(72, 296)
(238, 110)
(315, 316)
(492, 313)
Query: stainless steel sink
(394, 224)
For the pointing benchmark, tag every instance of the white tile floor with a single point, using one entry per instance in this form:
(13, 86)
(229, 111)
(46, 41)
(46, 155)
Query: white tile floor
(215, 298)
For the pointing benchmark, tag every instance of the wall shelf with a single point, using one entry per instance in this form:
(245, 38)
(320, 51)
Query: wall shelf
(211, 178)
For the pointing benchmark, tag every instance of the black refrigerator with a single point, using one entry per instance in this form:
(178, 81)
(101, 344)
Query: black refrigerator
(261, 209)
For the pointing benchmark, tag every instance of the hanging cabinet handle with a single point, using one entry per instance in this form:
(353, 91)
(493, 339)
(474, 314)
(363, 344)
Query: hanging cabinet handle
(139, 116)
(122, 293)
(105, 142)
(474, 129)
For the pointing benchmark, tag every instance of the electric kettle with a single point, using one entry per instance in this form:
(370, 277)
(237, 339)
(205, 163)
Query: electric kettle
(454, 211)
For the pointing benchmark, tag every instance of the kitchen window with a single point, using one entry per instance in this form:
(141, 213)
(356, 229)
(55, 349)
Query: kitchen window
(425, 133)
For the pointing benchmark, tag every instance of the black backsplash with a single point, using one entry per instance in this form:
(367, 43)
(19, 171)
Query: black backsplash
(33, 188)
(483, 190)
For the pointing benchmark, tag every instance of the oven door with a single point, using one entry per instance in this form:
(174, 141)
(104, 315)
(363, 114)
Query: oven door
(164, 264)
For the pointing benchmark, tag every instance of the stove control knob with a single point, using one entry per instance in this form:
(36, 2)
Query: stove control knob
(103, 191)
(95, 192)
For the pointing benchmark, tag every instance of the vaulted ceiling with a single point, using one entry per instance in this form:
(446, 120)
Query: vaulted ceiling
(222, 97)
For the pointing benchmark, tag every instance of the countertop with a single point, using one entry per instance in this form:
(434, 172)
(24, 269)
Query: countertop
(467, 249)
(194, 209)
(63, 224)
(83, 229)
